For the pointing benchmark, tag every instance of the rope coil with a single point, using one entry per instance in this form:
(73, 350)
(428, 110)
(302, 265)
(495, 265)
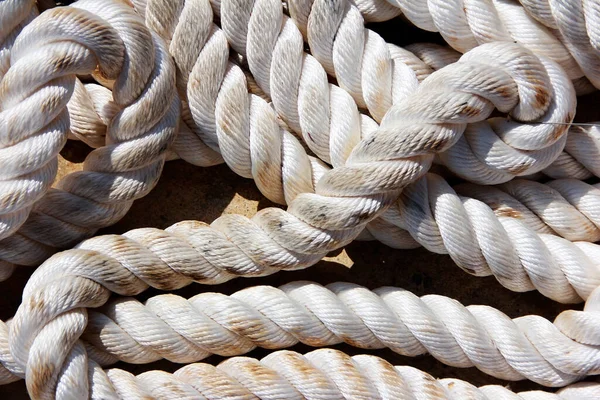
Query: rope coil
(328, 208)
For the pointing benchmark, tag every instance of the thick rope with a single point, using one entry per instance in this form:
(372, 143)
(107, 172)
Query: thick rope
(272, 44)
(562, 30)
(579, 160)
(562, 291)
(184, 331)
(314, 225)
(378, 167)
(173, 22)
(575, 24)
(497, 238)
(44, 60)
(319, 374)
(566, 207)
(14, 16)
(489, 152)
(84, 277)
(9, 370)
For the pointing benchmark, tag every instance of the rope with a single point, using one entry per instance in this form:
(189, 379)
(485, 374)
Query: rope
(167, 260)
(490, 233)
(575, 24)
(490, 152)
(319, 374)
(349, 196)
(581, 155)
(561, 30)
(268, 179)
(14, 16)
(114, 175)
(185, 331)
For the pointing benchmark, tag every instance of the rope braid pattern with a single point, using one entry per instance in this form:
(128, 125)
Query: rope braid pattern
(183, 331)
(291, 254)
(256, 139)
(558, 29)
(221, 112)
(574, 24)
(352, 195)
(14, 15)
(581, 156)
(319, 374)
(92, 107)
(272, 44)
(175, 20)
(489, 232)
(115, 175)
(579, 202)
(84, 277)
(378, 167)
(333, 142)
(490, 152)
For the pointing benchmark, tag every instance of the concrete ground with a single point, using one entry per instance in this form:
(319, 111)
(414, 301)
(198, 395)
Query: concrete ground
(186, 192)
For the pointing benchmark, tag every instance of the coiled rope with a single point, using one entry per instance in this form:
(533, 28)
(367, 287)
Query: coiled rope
(489, 152)
(391, 173)
(84, 277)
(44, 60)
(562, 30)
(320, 374)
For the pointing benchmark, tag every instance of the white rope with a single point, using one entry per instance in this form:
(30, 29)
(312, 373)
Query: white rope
(44, 60)
(348, 197)
(489, 152)
(167, 260)
(576, 24)
(579, 160)
(184, 331)
(562, 30)
(244, 155)
(499, 241)
(14, 16)
(319, 374)
(568, 208)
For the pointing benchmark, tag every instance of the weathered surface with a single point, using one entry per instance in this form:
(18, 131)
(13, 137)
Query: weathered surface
(188, 192)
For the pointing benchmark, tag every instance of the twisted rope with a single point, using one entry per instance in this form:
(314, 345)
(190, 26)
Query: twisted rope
(581, 155)
(84, 277)
(45, 57)
(489, 152)
(488, 232)
(346, 199)
(581, 158)
(276, 46)
(183, 331)
(575, 25)
(14, 16)
(368, 182)
(319, 374)
(558, 29)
